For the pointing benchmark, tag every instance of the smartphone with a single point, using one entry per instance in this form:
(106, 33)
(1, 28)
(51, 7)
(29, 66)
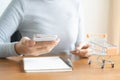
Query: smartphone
(44, 37)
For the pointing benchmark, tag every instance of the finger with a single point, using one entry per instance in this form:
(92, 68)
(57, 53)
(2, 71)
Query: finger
(40, 51)
(81, 53)
(31, 43)
(74, 52)
(86, 46)
(27, 42)
(83, 45)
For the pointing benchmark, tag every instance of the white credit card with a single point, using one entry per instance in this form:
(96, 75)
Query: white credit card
(44, 37)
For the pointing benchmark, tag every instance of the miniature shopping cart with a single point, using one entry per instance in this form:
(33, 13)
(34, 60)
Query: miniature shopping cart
(103, 49)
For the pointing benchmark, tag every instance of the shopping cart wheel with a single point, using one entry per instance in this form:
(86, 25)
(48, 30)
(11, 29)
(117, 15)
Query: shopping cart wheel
(112, 65)
(102, 66)
(89, 62)
(103, 61)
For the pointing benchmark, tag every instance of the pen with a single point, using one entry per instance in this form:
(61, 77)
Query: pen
(69, 62)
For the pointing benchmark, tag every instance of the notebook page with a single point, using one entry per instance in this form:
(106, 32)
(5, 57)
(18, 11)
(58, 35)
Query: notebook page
(44, 63)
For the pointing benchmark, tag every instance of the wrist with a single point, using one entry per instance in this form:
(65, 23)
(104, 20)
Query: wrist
(16, 46)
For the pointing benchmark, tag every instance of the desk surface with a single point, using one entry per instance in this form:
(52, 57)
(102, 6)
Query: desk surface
(12, 69)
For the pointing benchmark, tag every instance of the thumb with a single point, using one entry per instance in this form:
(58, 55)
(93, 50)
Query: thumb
(27, 42)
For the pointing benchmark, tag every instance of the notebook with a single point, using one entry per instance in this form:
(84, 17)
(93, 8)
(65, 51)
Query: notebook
(46, 64)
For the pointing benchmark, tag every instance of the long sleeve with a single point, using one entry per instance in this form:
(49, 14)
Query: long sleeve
(9, 23)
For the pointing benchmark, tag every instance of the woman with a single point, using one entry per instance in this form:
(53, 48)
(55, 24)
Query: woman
(54, 17)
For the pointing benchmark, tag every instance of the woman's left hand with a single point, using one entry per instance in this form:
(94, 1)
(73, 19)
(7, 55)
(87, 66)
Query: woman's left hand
(81, 51)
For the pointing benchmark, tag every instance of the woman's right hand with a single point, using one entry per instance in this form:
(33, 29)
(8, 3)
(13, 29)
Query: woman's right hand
(26, 46)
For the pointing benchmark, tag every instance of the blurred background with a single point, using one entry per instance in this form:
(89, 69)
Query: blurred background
(100, 16)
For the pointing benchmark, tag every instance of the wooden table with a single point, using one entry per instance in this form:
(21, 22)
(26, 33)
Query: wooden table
(12, 69)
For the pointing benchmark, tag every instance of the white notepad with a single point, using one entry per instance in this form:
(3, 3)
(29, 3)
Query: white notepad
(45, 64)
